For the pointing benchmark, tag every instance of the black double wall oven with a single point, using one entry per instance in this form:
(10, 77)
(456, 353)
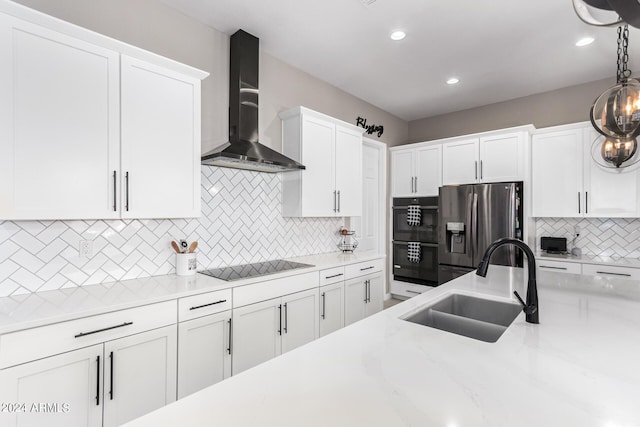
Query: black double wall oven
(419, 267)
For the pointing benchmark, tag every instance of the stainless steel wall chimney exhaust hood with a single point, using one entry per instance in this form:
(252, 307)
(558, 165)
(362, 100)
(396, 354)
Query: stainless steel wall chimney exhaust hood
(243, 151)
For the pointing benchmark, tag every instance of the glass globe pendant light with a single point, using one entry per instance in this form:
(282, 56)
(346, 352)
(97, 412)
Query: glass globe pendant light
(615, 114)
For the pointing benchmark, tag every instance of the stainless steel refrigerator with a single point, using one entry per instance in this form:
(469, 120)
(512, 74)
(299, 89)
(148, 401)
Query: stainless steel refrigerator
(471, 217)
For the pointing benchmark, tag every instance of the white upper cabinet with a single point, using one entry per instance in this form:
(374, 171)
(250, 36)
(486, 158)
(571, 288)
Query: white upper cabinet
(160, 142)
(493, 157)
(460, 162)
(556, 160)
(331, 151)
(416, 172)
(609, 192)
(87, 132)
(59, 125)
(568, 182)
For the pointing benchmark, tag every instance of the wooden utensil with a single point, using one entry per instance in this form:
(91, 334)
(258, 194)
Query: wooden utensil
(192, 247)
(175, 246)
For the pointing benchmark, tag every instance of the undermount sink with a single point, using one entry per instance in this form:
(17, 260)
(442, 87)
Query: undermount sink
(473, 317)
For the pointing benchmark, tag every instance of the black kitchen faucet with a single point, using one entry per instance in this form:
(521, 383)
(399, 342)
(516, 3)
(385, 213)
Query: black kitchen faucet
(531, 306)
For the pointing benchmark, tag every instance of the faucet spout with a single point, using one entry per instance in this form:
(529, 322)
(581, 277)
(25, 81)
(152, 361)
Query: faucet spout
(530, 308)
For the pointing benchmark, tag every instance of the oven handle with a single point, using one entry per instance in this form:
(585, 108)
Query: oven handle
(431, 208)
(428, 245)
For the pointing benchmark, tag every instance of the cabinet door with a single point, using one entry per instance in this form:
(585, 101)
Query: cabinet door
(376, 294)
(460, 162)
(608, 192)
(140, 374)
(72, 381)
(204, 352)
(331, 308)
(318, 179)
(402, 173)
(428, 170)
(59, 125)
(501, 158)
(300, 319)
(257, 334)
(556, 172)
(348, 161)
(160, 142)
(355, 294)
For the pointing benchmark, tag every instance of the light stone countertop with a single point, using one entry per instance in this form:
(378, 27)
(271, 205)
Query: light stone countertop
(37, 309)
(590, 259)
(578, 367)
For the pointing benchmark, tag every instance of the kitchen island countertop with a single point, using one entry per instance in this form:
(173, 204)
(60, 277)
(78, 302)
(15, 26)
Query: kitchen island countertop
(578, 367)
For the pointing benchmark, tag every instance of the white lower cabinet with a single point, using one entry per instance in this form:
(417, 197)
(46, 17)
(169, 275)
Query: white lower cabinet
(331, 308)
(264, 330)
(204, 352)
(140, 374)
(72, 381)
(559, 266)
(363, 297)
(106, 384)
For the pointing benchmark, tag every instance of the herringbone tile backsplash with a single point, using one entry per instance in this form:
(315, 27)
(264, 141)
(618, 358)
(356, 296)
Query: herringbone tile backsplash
(241, 222)
(609, 237)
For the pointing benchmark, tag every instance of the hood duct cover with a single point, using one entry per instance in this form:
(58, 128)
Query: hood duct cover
(243, 151)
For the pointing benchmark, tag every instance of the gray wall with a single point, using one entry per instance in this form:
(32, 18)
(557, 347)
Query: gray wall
(561, 106)
(153, 26)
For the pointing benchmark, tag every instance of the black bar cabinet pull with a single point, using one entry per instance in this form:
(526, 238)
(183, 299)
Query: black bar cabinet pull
(114, 191)
(98, 381)
(207, 305)
(286, 320)
(111, 376)
(324, 308)
(586, 202)
(338, 200)
(365, 291)
(555, 268)
(578, 202)
(334, 201)
(368, 290)
(614, 274)
(280, 317)
(366, 268)
(331, 277)
(413, 292)
(84, 334)
(476, 168)
(230, 331)
(126, 180)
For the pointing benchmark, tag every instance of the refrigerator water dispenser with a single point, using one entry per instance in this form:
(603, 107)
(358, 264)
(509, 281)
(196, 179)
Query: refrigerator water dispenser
(456, 237)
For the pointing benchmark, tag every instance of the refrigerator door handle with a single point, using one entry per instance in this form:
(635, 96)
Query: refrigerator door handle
(469, 222)
(474, 225)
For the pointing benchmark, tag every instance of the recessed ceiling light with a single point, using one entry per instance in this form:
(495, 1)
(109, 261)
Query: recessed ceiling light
(452, 81)
(398, 35)
(584, 42)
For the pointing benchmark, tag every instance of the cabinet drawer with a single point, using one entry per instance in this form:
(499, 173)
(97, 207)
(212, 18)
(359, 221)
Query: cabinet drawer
(611, 271)
(30, 344)
(204, 304)
(559, 266)
(331, 275)
(362, 268)
(408, 290)
(262, 291)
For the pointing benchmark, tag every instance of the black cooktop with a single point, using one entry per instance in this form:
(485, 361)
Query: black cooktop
(244, 271)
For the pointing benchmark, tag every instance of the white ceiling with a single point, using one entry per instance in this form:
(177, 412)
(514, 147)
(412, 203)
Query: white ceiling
(499, 49)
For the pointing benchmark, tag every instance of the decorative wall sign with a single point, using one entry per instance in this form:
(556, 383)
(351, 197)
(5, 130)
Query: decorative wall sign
(362, 122)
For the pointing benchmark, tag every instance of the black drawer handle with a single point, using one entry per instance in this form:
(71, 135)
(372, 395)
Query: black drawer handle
(613, 274)
(83, 334)
(414, 292)
(554, 268)
(367, 268)
(335, 275)
(207, 305)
